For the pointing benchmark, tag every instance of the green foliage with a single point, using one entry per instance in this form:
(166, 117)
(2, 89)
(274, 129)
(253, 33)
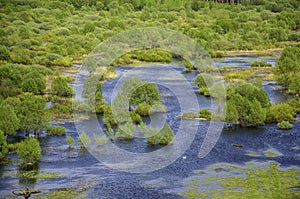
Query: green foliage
(231, 113)
(29, 150)
(145, 93)
(240, 75)
(56, 130)
(125, 131)
(188, 115)
(136, 118)
(294, 86)
(203, 80)
(154, 136)
(60, 87)
(120, 109)
(143, 109)
(285, 125)
(257, 182)
(108, 116)
(261, 64)
(3, 145)
(280, 112)
(166, 135)
(70, 141)
(295, 104)
(9, 123)
(31, 112)
(84, 139)
(204, 90)
(100, 139)
(205, 113)
(287, 65)
(250, 103)
(4, 53)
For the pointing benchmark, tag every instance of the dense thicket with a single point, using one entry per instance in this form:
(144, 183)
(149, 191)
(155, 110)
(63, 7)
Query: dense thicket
(54, 33)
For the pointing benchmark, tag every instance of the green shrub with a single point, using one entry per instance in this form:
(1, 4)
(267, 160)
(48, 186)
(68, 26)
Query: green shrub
(203, 80)
(188, 115)
(60, 87)
(125, 131)
(100, 140)
(143, 109)
(285, 125)
(55, 130)
(261, 64)
(136, 118)
(280, 112)
(3, 145)
(84, 139)
(204, 91)
(166, 135)
(70, 141)
(205, 113)
(29, 150)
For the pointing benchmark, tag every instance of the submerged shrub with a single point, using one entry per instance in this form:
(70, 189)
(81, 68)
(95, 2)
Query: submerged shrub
(205, 113)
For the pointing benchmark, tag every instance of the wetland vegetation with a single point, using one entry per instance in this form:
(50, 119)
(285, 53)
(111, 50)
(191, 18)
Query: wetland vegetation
(42, 41)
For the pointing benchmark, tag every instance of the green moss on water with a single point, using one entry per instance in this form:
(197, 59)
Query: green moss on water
(267, 182)
(33, 174)
(271, 154)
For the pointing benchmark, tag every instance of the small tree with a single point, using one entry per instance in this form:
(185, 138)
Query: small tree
(84, 139)
(203, 80)
(166, 135)
(9, 122)
(205, 113)
(70, 141)
(29, 151)
(61, 87)
(3, 145)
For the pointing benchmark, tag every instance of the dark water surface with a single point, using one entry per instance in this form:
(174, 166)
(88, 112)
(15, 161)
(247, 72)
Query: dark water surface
(78, 168)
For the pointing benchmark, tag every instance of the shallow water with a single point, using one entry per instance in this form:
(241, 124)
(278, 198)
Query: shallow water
(78, 168)
(241, 61)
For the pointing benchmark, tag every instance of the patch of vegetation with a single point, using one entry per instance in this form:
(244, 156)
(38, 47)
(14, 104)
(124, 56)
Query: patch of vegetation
(261, 64)
(70, 141)
(29, 151)
(188, 115)
(253, 183)
(205, 113)
(285, 125)
(56, 131)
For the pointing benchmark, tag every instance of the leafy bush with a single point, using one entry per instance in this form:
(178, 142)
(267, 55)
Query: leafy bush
(285, 125)
(261, 64)
(3, 145)
(136, 118)
(55, 130)
(60, 87)
(143, 109)
(203, 80)
(84, 139)
(280, 112)
(166, 135)
(205, 113)
(125, 131)
(70, 141)
(29, 150)
(204, 91)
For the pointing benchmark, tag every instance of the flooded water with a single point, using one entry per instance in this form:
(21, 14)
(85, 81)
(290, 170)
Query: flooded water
(241, 61)
(77, 168)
